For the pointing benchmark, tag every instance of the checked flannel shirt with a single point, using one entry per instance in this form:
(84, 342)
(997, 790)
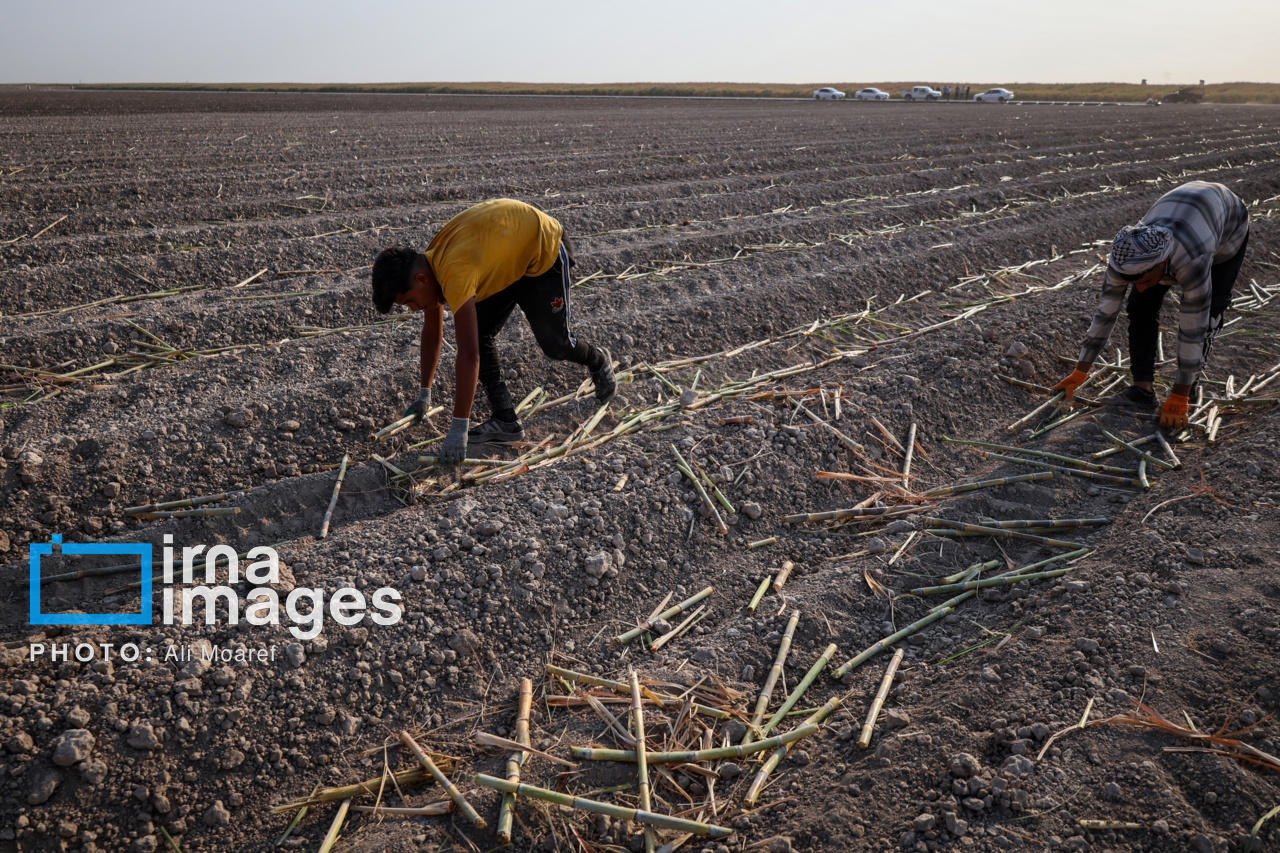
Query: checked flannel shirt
(1209, 224)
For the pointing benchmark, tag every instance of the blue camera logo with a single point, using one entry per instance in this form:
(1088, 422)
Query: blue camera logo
(143, 552)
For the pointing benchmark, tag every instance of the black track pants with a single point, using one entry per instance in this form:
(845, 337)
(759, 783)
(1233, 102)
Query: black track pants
(1144, 315)
(544, 300)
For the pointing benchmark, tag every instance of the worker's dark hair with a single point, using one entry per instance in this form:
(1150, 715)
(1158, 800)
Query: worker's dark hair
(392, 275)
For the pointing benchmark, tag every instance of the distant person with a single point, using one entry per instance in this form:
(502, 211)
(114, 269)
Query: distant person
(946, 93)
(483, 263)
(1193, 236)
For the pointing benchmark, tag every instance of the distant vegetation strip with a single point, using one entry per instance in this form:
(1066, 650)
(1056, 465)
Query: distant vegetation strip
(1219, 93)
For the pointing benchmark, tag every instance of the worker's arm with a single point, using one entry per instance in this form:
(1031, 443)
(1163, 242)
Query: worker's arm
(467, 365)
(429, 345)
(1104, 319)
(467, 370)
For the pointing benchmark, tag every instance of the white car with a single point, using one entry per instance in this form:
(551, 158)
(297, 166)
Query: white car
(921, 93)
(828, 94)
(1000, 95)
(871, 95)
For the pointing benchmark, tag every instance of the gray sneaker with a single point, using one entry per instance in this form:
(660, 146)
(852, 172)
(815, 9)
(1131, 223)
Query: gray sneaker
(494, 431)
(1132, 397)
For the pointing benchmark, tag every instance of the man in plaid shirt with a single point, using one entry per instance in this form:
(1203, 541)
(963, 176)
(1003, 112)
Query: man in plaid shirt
(1193, 236)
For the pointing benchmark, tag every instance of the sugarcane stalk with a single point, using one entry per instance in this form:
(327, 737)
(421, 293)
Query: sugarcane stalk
(443, 780)
(665, 615)
(394, 427)
(621, 812)
(619, 687)
(333, 501)
(689, 621)
(588, 753)
(832, 515)
(715, 490)
(204, 512)
(642, 764)
(1112, 451)
(880, 645)
(760, 591)
(331, 837)
(814, 671)
(1142, 475)
(953, 602)
(1146, 457)
(760, 543)
(948, 491)
(969, 573)
(687, 470)
(187, 502)
(1003, 580)
(998, 532)
(433, 810)
(885, 432)
(506, 811)
(864, 737)
(775, 672)
(1168, 451)
(783, 574)
(906, 463)
(1055, 400)
(814, 719)
(1049, 523)
(435, 460)
(1074, 472)
(841, 437)
(1041, 454)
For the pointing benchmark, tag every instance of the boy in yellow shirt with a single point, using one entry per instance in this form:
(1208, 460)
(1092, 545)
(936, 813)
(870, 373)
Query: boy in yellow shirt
(483, 263)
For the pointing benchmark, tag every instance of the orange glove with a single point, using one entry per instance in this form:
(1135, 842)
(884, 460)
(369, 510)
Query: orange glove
(1071, 383)
(1173, 414)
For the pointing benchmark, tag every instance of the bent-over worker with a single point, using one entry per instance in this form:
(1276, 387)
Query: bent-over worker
(483, 263)
(1193, 236)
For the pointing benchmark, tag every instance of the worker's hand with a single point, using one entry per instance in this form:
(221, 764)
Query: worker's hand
(1173, 414)
(420, 406)
(1069, 385)
(454, 448)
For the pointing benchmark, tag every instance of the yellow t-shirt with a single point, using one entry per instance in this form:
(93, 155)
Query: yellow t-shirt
(489, 247)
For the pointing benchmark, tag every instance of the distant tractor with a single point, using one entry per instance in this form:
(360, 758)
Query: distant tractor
(1185, 95)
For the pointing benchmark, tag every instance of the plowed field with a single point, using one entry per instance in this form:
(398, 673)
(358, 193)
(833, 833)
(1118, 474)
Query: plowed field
(789, 290)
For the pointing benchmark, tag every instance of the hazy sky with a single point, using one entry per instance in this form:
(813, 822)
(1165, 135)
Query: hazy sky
(574, 41)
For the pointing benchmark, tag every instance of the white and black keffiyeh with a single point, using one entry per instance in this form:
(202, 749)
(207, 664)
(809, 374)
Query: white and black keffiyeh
(1138, 248)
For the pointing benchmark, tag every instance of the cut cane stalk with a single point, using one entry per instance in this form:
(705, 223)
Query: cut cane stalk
(589, 753)
(999, 532)
(188, 502)
(760, 591)
(775, 672)
(687, 470)
(666, 615)
(619, 687)
(783, 574)
(621, 812)
(814, 671)
(1060, 469)
(451, 789)
(507, 810)
(864, 737)
(1146, 457)
(906, 463)
(762, 775)
(333, 501)
(1054, 401)
(642, 764)
(206, 512)
(1040, 454)
(880, 645)
(948, 491)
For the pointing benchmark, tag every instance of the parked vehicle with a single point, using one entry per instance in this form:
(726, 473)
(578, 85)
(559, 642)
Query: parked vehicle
(828, 94)
(871, 94)
(921, 93)
(998, 95)
(1185, 95)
